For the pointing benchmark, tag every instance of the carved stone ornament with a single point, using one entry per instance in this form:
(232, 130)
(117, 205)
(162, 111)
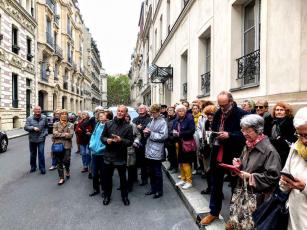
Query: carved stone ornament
(16, 11)
(3, 55)
(16, 61)
(30, 68)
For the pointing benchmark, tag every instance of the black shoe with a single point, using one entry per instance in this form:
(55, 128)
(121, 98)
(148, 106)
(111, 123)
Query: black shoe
(129, 188)
(43, 172)
(157, 195)
(90, 176)
(149, 193)
(126, 201)
(106, 200)
(94, 193)
(32, 170)
(206, 191)
(143, 183)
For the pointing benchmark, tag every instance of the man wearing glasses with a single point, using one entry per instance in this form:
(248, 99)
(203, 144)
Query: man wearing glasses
(262, 107)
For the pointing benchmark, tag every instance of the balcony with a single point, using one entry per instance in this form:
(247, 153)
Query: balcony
(49, 39)
(51, 5)
(15, 103)
(58, 51)
(249, 68)
(65, 85)
(15, 49)
(205, 84)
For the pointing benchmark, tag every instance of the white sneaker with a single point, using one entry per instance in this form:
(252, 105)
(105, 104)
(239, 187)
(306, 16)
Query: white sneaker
(180, 183)
(194, 172)
(179, 177)
(187, 186)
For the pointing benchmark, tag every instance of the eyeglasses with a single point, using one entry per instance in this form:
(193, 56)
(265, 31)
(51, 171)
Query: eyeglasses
(301, 135)
(259, 107)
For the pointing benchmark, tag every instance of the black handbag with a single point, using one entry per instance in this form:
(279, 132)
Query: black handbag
(57, 148)
(273, 214)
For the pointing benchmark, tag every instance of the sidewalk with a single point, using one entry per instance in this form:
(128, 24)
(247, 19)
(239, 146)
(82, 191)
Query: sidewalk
(15, 133)
(196, 203)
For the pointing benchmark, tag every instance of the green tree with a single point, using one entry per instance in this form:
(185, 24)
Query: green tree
(118, 90)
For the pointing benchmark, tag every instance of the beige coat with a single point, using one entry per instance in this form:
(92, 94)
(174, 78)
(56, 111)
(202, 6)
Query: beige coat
(59, 134)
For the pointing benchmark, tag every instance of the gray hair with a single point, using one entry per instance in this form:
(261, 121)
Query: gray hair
(253, 121)
(86, 113)
(98, 108)
(178, 107)
(144, 106)
(300, 117)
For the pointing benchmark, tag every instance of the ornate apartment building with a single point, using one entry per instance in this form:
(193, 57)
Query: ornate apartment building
(17, 61)
(195, 48)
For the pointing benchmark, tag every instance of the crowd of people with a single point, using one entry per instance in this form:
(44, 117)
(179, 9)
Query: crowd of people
(244, 144)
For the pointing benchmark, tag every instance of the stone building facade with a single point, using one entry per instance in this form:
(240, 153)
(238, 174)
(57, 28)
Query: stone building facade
(17, 62)
(197, 48)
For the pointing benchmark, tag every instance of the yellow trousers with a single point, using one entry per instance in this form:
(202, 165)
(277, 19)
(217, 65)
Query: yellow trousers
(186, 172)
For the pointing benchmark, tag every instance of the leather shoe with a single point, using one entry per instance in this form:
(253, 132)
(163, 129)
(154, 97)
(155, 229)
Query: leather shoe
(43, 172)
(206, 191)
(94, 193)
(106, 200)
(61, 181)
(126, 201)
(32, 170)
(208, 219)
(149, 193)
(157, 195)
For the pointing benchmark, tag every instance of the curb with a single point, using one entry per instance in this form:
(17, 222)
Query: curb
(16, 136)
(197, 204)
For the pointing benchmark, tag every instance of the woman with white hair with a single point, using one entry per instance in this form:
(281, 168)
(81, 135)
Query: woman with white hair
(183, 132)
(296, 165)
(259, 164)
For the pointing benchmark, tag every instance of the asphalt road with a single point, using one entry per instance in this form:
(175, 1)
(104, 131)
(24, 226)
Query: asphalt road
(34, 201)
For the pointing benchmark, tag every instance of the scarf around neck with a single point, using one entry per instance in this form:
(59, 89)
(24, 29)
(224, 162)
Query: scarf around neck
(63, 122)
(301, 149)
(252, 144)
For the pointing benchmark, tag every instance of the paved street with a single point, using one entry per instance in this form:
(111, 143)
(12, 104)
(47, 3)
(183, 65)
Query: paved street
(34, 201)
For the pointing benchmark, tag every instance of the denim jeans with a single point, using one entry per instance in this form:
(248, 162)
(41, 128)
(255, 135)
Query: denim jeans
(156, 176)
(40, 148)
(86, 156)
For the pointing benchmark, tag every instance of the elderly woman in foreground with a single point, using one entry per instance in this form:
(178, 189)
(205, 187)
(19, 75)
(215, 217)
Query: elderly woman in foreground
(259, 162)
(296, 165)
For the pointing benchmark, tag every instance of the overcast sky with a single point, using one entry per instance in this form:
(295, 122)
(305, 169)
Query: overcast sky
(114, 25)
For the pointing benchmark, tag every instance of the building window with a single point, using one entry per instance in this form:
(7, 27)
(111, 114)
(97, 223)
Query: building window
(249, 63)
(14, 90)
(49, 38)
(161, 30)
(56, 72)
(15, 47)
(29, 50)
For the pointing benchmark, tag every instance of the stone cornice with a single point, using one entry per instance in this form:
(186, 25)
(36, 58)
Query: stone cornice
(16, 61)
(174, 29)
(16, 11)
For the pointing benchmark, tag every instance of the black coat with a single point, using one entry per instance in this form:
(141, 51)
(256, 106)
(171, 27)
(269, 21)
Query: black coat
(286, 135)
(170, 142)
(142, 121)
(117, 152)
(232, 146)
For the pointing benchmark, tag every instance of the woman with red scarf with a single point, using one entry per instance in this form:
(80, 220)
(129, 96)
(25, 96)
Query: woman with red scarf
(259, 163)
(84, 131)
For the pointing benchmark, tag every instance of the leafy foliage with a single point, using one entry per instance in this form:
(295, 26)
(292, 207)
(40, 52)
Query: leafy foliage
(118, 90)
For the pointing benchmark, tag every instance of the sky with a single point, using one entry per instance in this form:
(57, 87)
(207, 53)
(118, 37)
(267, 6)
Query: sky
(114, 26)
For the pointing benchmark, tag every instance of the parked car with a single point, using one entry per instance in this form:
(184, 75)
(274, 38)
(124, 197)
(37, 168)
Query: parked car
(3, 141)
(132, 111)
(49, 115)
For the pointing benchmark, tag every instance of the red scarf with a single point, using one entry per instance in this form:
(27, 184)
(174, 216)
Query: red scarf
(252, 144)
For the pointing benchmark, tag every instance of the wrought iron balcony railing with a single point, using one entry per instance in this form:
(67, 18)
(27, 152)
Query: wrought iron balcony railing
(49, 39)
(185, 88)
(249, 68)
(205, 83)
(58, 50)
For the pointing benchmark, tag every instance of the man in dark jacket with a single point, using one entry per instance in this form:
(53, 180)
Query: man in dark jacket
(117, 136)
(141, 122)
(170, 142)
(227, 144)
(37, 126)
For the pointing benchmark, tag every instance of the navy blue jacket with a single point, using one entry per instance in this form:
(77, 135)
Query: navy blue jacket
(233, 146)
(187, 127)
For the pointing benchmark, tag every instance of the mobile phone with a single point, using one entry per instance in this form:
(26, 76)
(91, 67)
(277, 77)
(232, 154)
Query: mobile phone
(287, 175)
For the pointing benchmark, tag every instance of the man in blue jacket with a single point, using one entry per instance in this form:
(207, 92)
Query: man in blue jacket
(37, 126)
(227, 144)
